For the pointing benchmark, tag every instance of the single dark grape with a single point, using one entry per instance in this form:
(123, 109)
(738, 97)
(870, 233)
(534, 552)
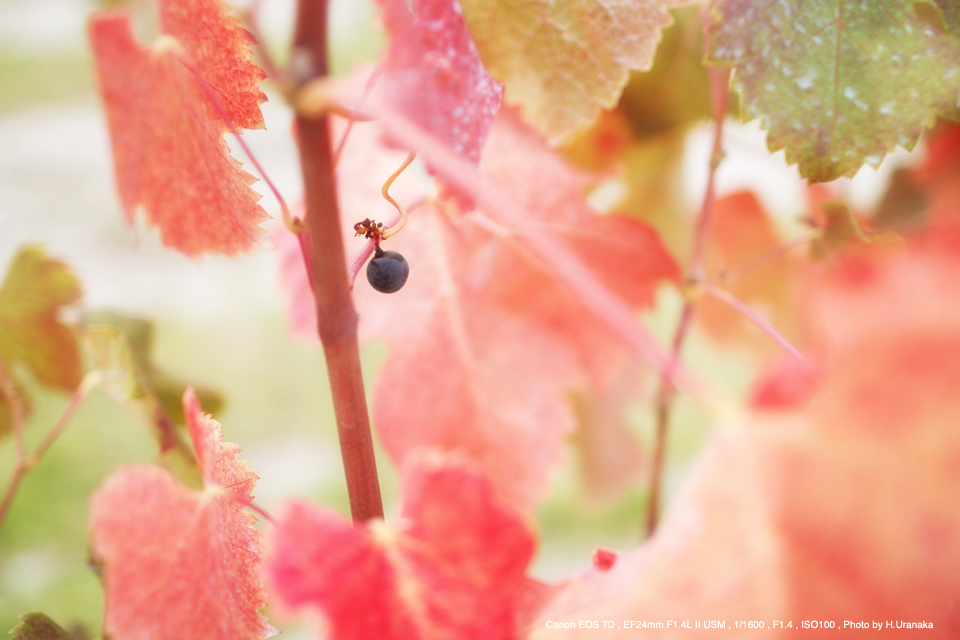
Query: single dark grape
(387, 272)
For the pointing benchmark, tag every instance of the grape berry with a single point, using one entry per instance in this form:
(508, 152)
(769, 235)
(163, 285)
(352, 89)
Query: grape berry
(388, 271)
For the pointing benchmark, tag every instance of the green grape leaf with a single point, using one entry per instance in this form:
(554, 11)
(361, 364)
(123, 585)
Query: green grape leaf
(30, 332)
(564, 60)
(839, 83)
(38, 626)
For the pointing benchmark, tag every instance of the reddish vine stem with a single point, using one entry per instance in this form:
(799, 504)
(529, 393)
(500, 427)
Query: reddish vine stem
(337, 318)
(666, 391)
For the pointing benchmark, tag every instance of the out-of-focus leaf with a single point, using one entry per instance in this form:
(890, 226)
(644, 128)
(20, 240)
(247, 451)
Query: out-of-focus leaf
(453, 566)
(675, 92)
(939, 174)
(743, 231)
(609, 455)
(432, 73)
(841, 509)
(843, 233)
(484, 342)
(948, 18)
(137, 333)
(38, 626)
(565, 61)
(35, 289)
(839, 83)
(904, 205)
(127, 376)
(602, 144)
(654, 192)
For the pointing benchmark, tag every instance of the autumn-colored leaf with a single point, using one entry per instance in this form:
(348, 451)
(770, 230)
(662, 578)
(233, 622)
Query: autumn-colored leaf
(452, 566)
(904, 205)
(938, 174)
(167, 135)
(675, 92)
(38, 626)
(484, 343)
(35, 289)
(433, 75)
(742, 232)
(178, 563)
(565, 61)
(840, 83)
(841, 510)
(609, 456)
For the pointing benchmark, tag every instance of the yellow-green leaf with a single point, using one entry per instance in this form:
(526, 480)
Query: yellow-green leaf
(38, 626)
(837, 83)
(564, 60)
(30, 331)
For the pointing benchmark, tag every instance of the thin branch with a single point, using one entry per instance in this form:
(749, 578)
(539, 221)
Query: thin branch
(12, 396)
(667, 390)
(89, 382)
(756, 319)
(322, 241)
(354, 113)
(25, 463)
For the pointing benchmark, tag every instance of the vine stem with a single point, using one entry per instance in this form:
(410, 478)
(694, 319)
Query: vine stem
(24, 462)
(666, 391)
(323, 244)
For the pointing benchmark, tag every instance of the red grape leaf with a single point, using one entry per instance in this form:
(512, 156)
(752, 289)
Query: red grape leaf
(844, 510)
(453, 566)
(565, 61)
(837, 83)
(484, 342)
(30, 332)
(433, 75)
(178, 563)
(38, 626)
(167, 135)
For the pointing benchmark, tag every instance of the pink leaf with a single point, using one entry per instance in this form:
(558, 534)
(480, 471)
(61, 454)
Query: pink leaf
(434, 76)
(169, 153)
(843, 509)
(178, 563)
(451, 567)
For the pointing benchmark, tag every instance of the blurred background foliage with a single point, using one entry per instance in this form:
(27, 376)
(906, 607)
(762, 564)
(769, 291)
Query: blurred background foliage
(220, 324)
